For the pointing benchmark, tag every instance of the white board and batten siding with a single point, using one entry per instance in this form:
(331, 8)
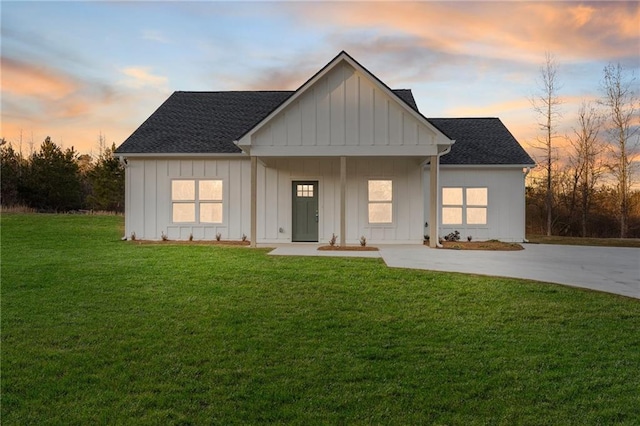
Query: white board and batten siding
(344, 114)
(149, 204)
(275, 198)
(148, 201)
(505, 204)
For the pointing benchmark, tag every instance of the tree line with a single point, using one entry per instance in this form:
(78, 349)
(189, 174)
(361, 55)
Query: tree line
(584, 185)
(53, 179)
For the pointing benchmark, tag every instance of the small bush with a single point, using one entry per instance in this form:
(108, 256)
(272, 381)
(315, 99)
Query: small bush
(218, 236)
(133, 236)
(454, 236)
(332, 240)
(244, 237)
(191, 237)
(164, 236)
(363, 241)
(469, 238)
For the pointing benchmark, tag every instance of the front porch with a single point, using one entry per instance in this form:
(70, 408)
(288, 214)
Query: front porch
(303, 199)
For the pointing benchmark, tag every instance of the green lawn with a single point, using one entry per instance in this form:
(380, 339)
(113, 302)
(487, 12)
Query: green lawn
(96, 330)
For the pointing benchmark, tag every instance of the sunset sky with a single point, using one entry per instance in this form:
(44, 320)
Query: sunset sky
(72, 70)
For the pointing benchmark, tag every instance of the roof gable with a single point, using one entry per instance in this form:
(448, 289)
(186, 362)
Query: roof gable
(341, 83)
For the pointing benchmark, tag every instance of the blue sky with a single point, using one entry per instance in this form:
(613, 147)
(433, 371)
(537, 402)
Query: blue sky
(73, 70)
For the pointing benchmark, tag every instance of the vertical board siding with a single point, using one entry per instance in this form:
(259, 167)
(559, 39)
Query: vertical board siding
(323, 105)
(395, 130)
(135, 224)
(344, 107)
(270, 199)
(352, 105)
(149, 185)
(366, 114)
(149, 198)
(279, 131)
(308, 117)
(337, 110)
(381, 120)
(275, 206)
(505, 207)
(294, 125)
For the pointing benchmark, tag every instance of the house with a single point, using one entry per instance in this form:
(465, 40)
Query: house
(343, 154)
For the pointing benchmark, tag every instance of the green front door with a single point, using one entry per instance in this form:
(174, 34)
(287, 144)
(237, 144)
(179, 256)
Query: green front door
(305, 211)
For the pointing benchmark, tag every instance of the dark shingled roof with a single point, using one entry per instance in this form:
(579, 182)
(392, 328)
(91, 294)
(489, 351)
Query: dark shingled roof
(480, 141)
(201, 122)
(209, 122)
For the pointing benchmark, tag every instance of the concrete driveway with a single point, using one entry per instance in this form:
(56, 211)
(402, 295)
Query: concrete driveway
(608, 269)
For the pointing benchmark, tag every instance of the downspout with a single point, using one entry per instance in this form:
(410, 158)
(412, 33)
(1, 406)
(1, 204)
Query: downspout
(440, 154)
(125, 165)
(525, 172)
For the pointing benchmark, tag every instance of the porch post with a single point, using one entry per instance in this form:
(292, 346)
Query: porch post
(343, 201)
(433, 201)
(254, 200)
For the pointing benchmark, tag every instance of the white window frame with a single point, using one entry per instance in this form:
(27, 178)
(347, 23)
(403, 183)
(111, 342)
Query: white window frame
(390, 202)
(464, 206)
(197, 202)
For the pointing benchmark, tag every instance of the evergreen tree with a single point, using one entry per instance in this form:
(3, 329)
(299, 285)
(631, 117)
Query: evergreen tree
(107, 183)
(12, 167)
(53, 179)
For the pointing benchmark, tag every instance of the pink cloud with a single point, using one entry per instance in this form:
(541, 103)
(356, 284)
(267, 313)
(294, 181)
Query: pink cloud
(516, 30)
(22, 79)
(44, 102)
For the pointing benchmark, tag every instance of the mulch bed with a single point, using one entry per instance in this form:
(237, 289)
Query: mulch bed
(193, 243)
(347, 248)
(490, 245)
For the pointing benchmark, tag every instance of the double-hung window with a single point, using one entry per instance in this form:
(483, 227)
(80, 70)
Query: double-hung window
(464, 206)
(197, 200)
(380, 198)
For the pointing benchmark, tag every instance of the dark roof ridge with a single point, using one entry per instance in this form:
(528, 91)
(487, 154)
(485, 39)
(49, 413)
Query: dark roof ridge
(234, 91)
(464, 118)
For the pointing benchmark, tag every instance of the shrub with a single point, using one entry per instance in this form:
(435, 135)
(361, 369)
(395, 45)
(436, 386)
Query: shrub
(454, 236)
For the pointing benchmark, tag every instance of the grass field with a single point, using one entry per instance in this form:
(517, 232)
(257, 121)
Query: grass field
(100, 331)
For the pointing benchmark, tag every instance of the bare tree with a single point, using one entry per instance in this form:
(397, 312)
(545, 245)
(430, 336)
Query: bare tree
(622, 103)
(586, 160)
(102, 143)
(546, 104)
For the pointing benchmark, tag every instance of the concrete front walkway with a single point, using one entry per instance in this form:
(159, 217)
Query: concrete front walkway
(608, 269)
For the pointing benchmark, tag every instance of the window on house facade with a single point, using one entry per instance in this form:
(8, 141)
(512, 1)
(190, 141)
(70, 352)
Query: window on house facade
(304, 190)
(464, 206)
(196, 201)
(380, 196)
